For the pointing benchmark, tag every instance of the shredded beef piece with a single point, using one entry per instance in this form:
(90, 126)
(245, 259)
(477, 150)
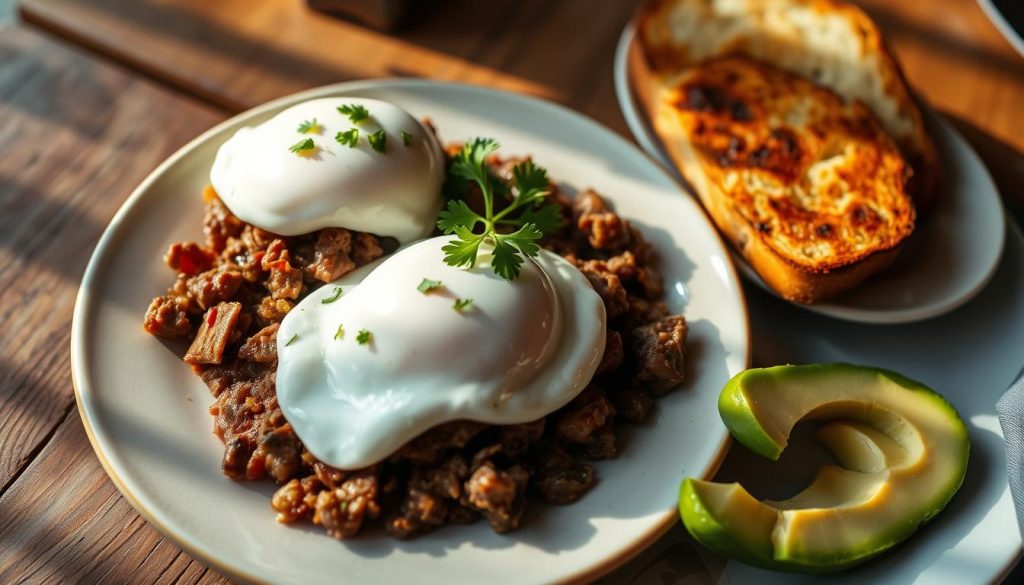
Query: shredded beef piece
(278, 452)
(642, 312)
(603, 228)
(244, 393)
(214, 286)
(168, 317)
(189, 258)
(291, 503)
(272, 310)
(262, 346)
(498, 495)
(255, 240)
(602, 443)
(613, 353)
(219, 223)
(561, 479)
(215, 333)
(632, 403)
(444, 480)
(427, 447)
(284, 281)
(331, 255)
(366, 248)
(629, 269)
(657, 351)
(516, 440)
(337, 253)
(329, 476)
(608, 286)
(419, 512)
(342, 511)
(236, 457)
(579, 421)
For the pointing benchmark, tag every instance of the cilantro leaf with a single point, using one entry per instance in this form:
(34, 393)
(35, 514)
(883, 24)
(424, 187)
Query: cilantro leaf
(528, 214)
(427, 285)
(530, 180)
(309, 127)
(302, 146)
(547, 217)
(340, 332)
(334, 296)
(348, 138)
(458, 214)
(406, 138)
(355, 113)
(462, 250)
(462, 304)
(364, 336)
(378, 140)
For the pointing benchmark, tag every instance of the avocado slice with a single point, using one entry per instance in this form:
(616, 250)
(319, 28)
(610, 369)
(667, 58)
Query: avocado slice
(902, 451)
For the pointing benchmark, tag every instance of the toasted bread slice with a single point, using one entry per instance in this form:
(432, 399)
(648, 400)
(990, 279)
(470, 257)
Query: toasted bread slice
(832, 43)
(808, 187)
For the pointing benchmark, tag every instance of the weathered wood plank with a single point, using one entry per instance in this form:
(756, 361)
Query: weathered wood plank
(237, 54)
(77, 136)
(65, 522)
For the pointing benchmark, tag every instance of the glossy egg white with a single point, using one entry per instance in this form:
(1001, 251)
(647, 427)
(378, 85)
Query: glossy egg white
(520, 351)
(392, 193)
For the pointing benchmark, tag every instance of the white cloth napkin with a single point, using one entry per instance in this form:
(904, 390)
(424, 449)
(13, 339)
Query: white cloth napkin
(1010, 409)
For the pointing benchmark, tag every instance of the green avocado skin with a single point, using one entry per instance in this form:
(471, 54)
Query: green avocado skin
(738, 415)
(710, 532)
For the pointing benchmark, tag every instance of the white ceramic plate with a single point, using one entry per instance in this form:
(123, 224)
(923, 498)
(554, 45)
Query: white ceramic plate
(146, 413)
(949, 258)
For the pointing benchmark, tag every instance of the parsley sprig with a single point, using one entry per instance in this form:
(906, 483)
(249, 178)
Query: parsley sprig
(528, 214)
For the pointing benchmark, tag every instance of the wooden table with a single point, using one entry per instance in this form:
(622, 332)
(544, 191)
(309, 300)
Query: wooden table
(82, 124)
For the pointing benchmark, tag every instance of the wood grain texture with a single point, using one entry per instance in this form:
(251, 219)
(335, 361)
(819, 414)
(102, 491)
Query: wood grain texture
(65, 522)
(238, 53)
(76, 137)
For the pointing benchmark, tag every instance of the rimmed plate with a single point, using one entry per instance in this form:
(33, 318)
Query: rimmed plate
(950, 257)
(145, 412)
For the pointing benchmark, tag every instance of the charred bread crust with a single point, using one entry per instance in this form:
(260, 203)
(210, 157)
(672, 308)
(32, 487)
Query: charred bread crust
(809, 189)
(832, 43)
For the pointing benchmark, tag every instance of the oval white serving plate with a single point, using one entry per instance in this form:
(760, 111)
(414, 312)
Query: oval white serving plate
(947, 261)
(146, 413)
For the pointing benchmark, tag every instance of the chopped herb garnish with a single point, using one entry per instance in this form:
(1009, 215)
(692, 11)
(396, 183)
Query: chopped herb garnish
(462, 304)
(302, 146)
(309, 127)
(536, 214)
(364, 336)
(406, 138)
(355, 113)
(340, 332)
(291, 340)
(334, 296)
(427, 285)
(378, 140)
(348, 138)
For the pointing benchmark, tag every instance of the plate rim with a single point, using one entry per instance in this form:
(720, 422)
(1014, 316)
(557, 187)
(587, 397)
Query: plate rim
(82, 316)
(643, 135)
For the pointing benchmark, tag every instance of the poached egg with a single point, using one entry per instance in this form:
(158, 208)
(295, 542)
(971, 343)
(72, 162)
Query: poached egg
(518, 351)
(394, 193)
